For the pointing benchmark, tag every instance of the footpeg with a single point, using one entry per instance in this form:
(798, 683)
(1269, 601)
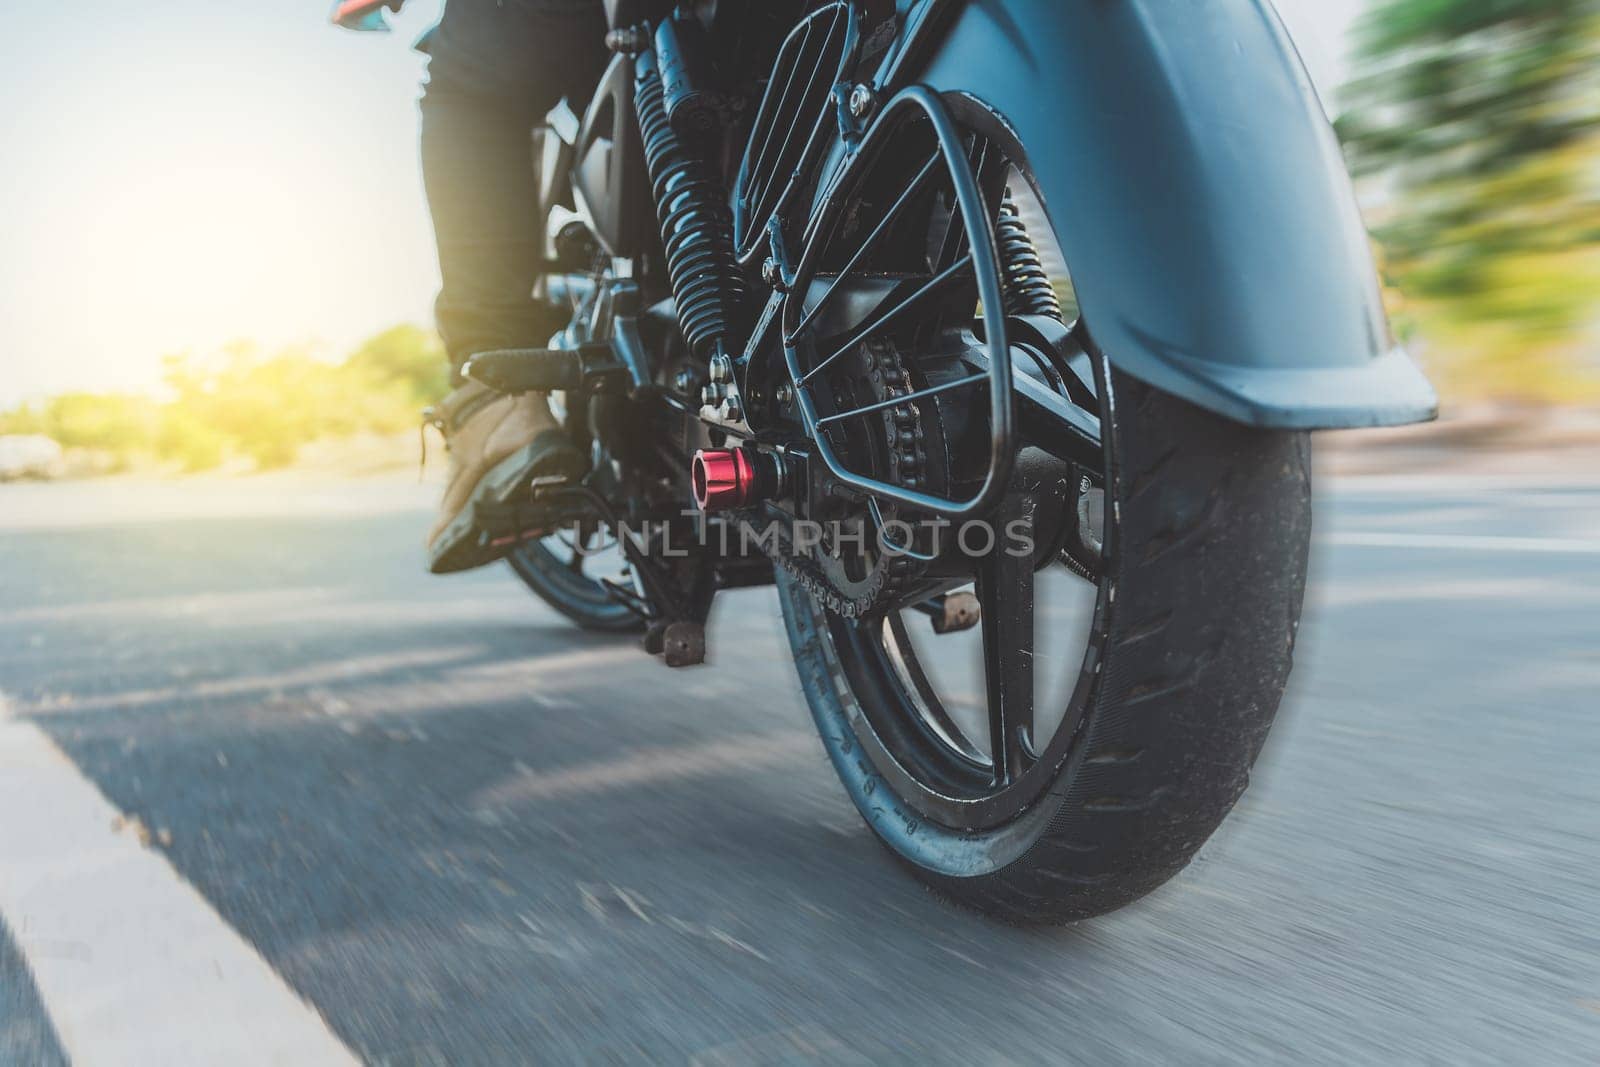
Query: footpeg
(543, 370)
(550, 508)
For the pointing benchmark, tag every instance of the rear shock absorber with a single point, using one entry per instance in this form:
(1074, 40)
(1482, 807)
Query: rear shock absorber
(1026, 283)
(696, 222)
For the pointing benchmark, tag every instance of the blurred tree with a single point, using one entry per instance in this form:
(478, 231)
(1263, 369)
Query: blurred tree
(408, 356)
(241, 403)
(267, 407)
(116, 423)
(189, 441)
(24, 418)
(1479, 122)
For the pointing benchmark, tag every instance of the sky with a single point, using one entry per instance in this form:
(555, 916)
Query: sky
(184, 173)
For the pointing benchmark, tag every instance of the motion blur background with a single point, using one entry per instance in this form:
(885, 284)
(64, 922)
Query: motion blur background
(217, 251)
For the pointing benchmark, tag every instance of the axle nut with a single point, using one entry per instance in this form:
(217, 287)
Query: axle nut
(723, 478)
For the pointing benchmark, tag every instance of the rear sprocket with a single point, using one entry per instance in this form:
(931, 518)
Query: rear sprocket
(870, 553)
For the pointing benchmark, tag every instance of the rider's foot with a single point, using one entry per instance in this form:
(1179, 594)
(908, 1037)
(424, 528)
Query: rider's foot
(498, 445)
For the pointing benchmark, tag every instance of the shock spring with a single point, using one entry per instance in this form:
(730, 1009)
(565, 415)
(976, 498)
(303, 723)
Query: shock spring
(696, 223)
(1026, 283)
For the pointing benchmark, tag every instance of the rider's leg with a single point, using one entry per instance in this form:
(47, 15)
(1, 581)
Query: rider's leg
(497, 67)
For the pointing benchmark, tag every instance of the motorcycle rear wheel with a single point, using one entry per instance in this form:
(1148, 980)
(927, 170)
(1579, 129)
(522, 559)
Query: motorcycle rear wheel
(1195, 609)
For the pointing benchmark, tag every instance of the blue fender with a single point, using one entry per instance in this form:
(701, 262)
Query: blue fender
(1199, 195)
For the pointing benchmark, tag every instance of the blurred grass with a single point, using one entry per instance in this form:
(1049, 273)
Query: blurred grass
(239, 405)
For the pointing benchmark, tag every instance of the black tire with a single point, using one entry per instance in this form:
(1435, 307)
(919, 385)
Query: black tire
(579, 598)
(1205, 565)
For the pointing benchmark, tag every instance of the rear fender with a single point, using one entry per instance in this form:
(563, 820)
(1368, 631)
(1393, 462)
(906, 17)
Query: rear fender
(1199, 195)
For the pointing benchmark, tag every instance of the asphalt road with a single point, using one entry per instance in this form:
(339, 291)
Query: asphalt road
(461, 832)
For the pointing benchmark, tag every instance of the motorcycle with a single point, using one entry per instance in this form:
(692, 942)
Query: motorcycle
(990, 332)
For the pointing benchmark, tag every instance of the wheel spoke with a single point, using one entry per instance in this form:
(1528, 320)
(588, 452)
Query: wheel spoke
(1005, 591)
(904, 653)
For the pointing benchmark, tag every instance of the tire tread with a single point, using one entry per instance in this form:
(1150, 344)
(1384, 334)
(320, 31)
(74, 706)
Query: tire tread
(1210, 568)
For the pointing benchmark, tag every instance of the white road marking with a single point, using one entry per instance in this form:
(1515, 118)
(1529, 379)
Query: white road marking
(132, 964)
(1464, 542)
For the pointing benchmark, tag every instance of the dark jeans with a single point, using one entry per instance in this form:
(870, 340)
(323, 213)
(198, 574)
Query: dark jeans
(496, 68)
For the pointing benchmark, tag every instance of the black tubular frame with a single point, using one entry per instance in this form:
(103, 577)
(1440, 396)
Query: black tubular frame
(766, 183)
(981, 256)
